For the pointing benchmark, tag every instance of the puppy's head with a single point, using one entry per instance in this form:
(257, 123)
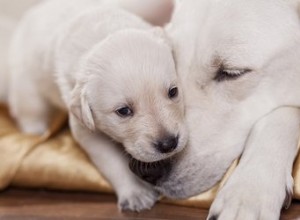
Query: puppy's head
(130, 91)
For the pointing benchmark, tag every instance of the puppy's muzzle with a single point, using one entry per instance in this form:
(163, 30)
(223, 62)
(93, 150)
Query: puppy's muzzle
(167, 145)
(150, 172)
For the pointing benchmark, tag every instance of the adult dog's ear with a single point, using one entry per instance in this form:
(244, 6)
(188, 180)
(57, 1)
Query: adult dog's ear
(80, 108)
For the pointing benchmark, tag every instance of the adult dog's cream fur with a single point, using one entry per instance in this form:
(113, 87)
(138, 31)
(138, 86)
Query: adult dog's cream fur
(239, 63)
(91, 58)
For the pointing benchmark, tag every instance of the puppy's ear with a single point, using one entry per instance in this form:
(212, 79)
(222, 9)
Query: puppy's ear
(162, 35)
(80, 108)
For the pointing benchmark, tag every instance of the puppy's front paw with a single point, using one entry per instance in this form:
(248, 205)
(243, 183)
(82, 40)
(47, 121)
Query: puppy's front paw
(254, 199)
(138, 198)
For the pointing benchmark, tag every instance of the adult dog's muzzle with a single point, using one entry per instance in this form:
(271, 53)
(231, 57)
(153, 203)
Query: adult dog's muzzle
(151, 172)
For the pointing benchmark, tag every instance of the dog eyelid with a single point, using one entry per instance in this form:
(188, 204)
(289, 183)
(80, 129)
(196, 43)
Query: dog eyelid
(224, 74)
(234, 72)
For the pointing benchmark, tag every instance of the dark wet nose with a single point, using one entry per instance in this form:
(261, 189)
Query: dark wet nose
(167, 145)
(150, 172)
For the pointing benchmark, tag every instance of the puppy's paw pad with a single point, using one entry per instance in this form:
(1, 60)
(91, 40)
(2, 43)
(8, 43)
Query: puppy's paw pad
(213, 217)
(124, 205)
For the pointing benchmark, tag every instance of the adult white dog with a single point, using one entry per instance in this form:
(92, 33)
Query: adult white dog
(239, 63)
(113, 73)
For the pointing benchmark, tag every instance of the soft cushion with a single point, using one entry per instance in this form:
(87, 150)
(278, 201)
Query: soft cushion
(55, 161)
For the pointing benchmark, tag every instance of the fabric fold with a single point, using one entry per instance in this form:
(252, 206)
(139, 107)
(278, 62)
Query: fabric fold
(55, 161)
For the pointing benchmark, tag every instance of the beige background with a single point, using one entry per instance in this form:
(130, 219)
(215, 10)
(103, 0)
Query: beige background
(14, 8)
(10, 12)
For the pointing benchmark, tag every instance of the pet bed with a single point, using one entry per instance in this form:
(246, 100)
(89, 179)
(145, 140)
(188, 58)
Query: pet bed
(55, 161)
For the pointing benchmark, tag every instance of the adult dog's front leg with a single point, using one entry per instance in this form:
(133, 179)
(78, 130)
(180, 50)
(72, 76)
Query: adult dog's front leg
(262, 182)
(111, 161)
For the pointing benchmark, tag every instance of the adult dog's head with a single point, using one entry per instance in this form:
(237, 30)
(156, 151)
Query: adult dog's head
(238, 61)
(131, 92)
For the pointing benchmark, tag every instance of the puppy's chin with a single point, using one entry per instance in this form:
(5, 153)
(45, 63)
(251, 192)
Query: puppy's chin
(151, 172)
(153, 157)
(158, 173)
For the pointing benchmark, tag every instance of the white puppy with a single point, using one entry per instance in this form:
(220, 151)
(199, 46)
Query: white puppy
(239, 62)
(113, 73)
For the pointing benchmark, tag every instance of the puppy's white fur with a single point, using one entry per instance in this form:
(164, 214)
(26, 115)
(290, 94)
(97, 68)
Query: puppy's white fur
(91, 58)
(261, 38)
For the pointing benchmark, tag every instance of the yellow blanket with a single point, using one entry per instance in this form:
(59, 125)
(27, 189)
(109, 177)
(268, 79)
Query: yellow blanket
(54, 161)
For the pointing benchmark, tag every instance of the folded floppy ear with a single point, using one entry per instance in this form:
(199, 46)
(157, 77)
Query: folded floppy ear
(163, 36)
(80, 108)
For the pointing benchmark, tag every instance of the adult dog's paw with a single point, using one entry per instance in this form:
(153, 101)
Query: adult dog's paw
(253, 199)
(137, 199)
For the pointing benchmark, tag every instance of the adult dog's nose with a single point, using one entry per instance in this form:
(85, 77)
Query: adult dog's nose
(150, 172)
(167, 145)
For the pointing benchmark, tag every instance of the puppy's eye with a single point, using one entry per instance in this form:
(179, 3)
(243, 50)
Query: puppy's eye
(124, 112)
(229, 74)
(173, 92)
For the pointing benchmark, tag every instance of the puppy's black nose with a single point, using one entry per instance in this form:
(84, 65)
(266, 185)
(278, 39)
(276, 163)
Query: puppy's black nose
(167, 145)
(150, 172)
